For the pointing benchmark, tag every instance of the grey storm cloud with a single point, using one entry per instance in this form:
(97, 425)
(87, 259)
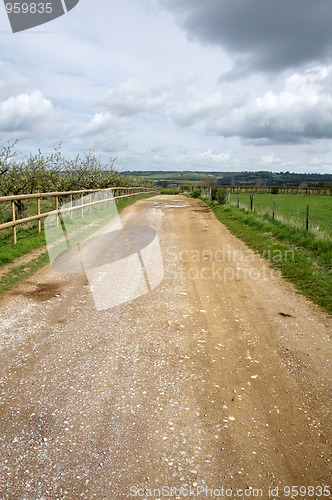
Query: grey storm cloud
(263, 35)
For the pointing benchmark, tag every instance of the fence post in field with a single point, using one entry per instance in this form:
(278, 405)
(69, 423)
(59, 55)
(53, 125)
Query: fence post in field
(251, 202)
(57, 208)
(307, 219)
(38, 213)
(13, 219)
(238, 202)
(82, 203)
(229, 198)
(274, 209)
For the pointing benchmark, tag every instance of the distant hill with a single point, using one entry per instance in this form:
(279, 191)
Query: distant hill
(262, 178)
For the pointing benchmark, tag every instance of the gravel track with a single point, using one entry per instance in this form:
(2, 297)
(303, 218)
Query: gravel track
(218, 378)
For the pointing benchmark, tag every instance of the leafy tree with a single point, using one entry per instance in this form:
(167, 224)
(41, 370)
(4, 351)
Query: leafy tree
(39, 173)
(6, 156)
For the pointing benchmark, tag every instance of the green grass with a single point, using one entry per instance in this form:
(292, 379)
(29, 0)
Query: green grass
(292, 209)
(10, 252)
(303, 257)
(18, 273)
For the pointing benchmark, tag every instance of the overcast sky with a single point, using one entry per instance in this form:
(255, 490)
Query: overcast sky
(175, 84)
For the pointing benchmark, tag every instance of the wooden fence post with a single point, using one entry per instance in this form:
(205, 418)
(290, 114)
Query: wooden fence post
(16, 221)
(274, 209)
(71, 205)
(38, 213)
(13, 219)
(238, 202)
(57, 208)
(251, 202)
(307, 219)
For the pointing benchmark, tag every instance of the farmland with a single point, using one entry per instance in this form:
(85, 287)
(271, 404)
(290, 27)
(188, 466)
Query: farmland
(259, 178)
(292, 209)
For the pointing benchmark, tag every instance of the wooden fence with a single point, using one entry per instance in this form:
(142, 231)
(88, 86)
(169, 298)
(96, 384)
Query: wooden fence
(117, 192)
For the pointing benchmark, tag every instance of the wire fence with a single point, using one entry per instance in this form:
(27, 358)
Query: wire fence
(304, 217)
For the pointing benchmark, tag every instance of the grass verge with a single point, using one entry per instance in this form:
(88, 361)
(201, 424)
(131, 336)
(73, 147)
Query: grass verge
(16, 274)
(303, 258)
(24, 246)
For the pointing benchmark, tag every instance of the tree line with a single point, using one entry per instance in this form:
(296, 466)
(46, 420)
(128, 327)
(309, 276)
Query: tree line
(39, 173)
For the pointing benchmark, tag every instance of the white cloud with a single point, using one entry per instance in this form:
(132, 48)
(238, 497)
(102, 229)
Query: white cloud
(270, 159)
(188, 113)
(102, 122)
(207, 109)
(136, 96)
(210, 158)
(25, 112)
(200, 160)
(12, 82)
(301, 112)
(103, 132)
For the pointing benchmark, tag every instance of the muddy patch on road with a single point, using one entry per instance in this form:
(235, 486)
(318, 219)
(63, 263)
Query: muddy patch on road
(43, 291)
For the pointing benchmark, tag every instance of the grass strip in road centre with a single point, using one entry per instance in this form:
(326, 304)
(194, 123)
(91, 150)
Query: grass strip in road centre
(309, 267)
(9, 253)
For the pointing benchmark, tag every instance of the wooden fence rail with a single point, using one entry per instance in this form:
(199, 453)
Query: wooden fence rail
(117, 193)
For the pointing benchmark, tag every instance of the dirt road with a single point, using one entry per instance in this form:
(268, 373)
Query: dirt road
(216, 381)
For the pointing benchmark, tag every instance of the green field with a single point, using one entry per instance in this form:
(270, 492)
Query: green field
(292, 209)
(253, 179)
(177, 178)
